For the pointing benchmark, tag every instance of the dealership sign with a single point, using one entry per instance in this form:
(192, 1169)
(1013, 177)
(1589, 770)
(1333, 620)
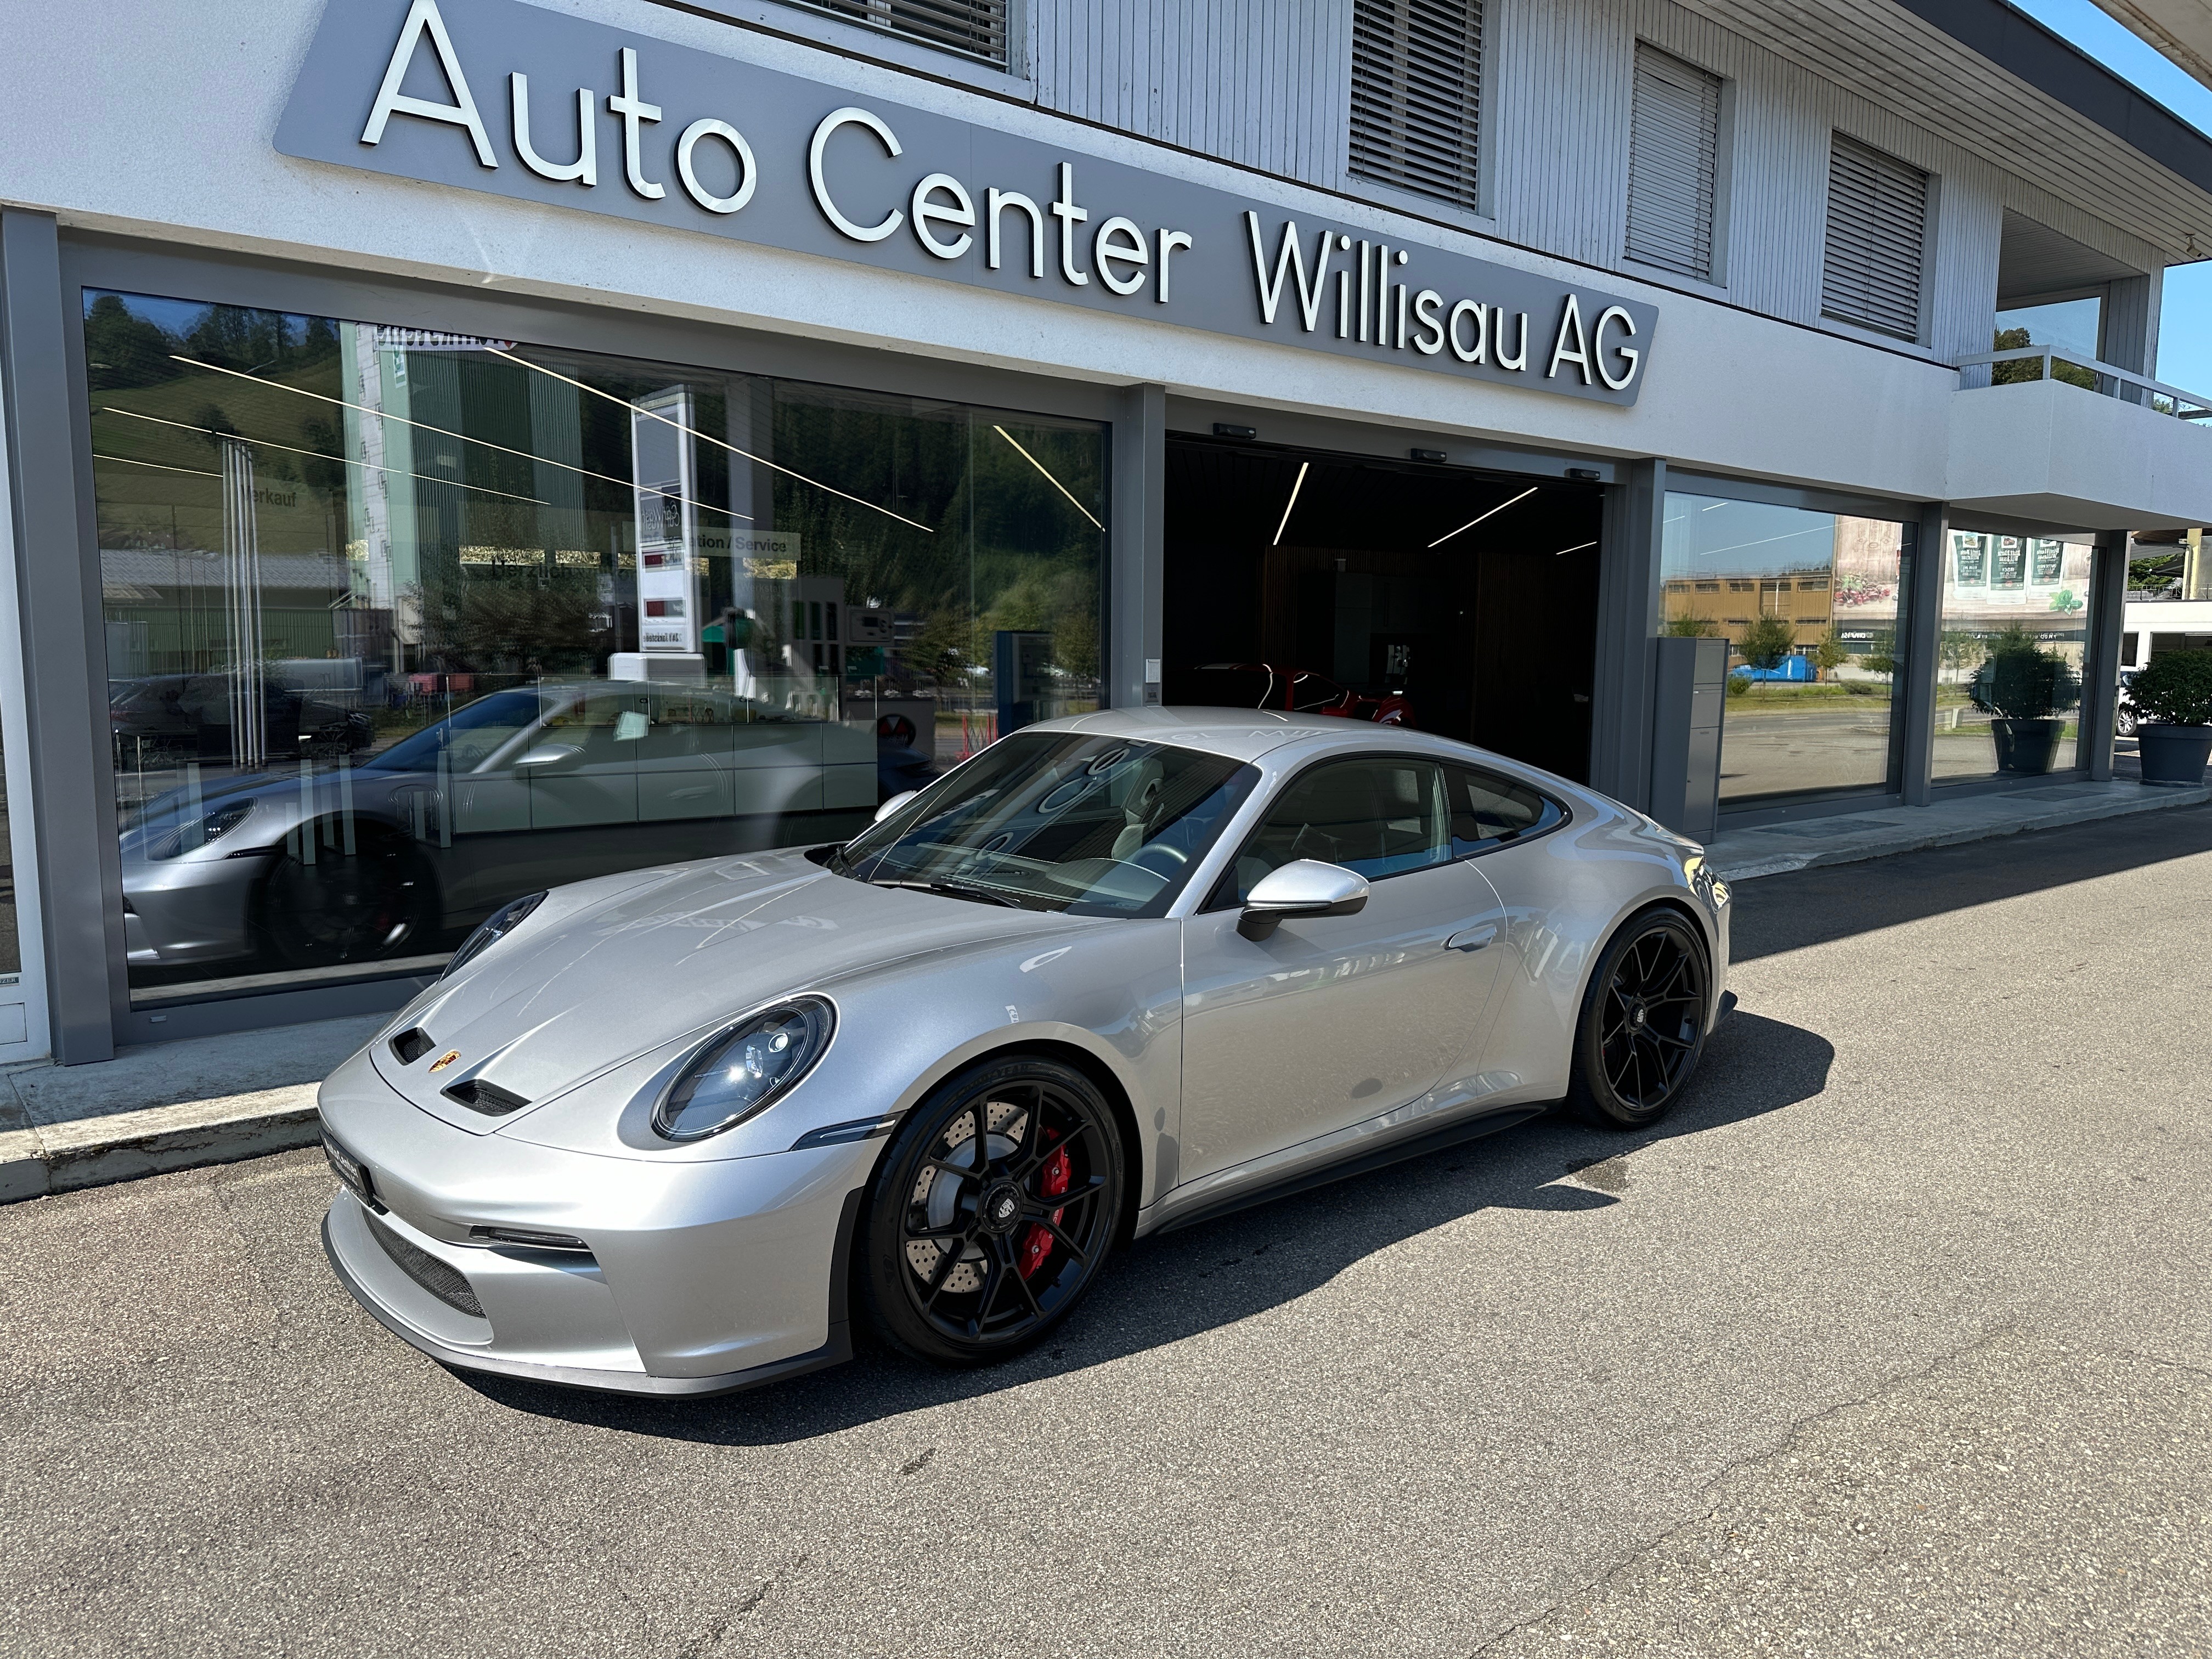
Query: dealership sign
(512, 99)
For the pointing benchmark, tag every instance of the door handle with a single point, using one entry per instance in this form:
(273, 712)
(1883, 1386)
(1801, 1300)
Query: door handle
(1472, 939)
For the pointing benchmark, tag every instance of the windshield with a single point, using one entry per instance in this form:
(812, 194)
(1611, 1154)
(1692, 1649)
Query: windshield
(1090, 825)
(470, 736)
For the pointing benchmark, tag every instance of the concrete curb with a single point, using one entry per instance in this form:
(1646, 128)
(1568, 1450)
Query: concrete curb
(1874, 842)
(92, 1152)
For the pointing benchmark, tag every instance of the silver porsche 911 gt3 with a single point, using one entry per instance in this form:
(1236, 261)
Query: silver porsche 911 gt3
(676, 1131)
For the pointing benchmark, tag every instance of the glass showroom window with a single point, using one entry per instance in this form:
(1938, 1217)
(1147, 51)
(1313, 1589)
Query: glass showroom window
(1812, 605)
(2009, 679)
(403, 624)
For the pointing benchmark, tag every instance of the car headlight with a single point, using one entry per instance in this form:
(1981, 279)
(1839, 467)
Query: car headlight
(742, 1072)
(198, 832)
(493, 928)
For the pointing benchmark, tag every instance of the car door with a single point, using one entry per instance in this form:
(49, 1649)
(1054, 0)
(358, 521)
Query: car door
(1503, 826)
(1333, 1021)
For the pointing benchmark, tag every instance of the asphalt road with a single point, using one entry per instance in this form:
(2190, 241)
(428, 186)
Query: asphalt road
(1895, 1341)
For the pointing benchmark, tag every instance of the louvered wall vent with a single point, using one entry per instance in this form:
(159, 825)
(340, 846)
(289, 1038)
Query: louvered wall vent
(974, 28)
(1674, 142)
(1877, 229)
(1417, 94)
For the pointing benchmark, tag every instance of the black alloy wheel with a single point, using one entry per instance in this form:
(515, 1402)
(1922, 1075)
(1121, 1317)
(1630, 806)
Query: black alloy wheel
(375, 901)
(1643, 1022)
(993, 1208)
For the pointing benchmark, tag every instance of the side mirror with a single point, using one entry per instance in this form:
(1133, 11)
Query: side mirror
(1304, 887)
(894, 803)
(550, 756)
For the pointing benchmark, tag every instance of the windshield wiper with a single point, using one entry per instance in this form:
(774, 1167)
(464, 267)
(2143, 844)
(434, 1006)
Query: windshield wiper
(959, 889)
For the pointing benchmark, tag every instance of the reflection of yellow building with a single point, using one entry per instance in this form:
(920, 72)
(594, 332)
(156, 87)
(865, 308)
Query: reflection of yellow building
(1727, 605)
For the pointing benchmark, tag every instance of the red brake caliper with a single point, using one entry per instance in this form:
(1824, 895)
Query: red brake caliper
(1052, 1181)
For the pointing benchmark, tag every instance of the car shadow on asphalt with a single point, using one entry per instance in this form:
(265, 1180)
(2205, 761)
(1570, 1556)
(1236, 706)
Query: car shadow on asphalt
(1805, 907)
(1165, 1289)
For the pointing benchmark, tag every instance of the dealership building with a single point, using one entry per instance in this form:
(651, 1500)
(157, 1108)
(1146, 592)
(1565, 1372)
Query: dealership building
(457, 446)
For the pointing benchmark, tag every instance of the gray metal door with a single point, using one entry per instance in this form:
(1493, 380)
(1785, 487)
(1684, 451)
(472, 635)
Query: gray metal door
(1333, 1021)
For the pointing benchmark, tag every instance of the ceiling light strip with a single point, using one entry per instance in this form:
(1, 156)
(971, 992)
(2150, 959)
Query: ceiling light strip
(264, 443)
(705, 437)
(1493, 513)
(447, 432)
(1296, 485)
(1049, 479)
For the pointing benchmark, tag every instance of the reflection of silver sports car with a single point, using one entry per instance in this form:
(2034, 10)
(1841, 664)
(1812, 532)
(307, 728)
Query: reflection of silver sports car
(671, 1131)
(524, 789)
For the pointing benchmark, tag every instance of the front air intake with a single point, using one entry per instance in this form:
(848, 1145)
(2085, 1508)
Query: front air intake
(412, 1044)
(486, 1097)
(448, 1284)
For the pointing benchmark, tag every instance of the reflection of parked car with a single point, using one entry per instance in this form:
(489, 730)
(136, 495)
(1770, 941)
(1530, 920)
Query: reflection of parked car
(1264, 685)
(2125, 718)
(191, 715)
(519, 789)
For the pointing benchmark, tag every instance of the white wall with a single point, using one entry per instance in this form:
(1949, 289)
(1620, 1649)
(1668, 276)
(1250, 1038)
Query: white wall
(152, 119)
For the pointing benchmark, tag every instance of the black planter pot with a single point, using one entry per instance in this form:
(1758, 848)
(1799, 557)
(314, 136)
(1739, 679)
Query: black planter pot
(2028, 746)
(2173, 754)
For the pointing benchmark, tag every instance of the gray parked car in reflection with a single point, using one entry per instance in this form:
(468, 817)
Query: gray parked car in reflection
(675, 1131)
(523, 789)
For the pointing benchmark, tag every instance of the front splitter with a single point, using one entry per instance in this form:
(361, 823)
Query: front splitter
(835, 1351)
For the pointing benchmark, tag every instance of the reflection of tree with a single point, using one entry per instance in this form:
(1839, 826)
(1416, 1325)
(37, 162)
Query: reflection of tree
(1830, 652)
(1689, 628)
(2030, 369)
(493, 626)
(1063, 602)
(1958, 649)
(1765, 642)
(1881, 653)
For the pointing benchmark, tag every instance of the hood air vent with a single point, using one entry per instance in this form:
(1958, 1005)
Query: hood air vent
(486, 1097)
(412, 1044)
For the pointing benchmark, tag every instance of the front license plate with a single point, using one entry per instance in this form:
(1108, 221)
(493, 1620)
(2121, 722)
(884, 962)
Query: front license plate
(350, 1171)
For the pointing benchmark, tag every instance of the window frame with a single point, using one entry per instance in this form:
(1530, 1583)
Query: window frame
(1226, 881)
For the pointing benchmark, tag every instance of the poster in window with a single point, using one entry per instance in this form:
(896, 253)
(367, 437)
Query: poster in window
(2046, 561)
(2008, 568)
(1972, 556)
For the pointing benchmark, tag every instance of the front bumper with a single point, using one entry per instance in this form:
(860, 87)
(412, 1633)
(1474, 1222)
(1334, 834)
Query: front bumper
(698, 1278)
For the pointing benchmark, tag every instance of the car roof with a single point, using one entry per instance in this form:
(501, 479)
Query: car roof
(1243, 734)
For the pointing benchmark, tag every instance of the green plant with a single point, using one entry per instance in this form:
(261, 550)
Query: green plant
(2020, 681)
(1881, 653)
(2174, 688)
(1688, 628)
(1831, 653)
(1739, 686)
(1766, 641)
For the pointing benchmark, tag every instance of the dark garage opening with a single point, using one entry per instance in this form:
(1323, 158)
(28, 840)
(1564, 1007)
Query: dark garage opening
(1471, 596)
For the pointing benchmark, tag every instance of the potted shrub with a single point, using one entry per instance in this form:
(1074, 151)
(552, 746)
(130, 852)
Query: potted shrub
(2173, 698)
(2025, 691)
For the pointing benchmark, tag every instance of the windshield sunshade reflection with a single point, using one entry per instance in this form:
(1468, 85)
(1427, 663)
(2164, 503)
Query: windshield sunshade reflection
(1088, 825)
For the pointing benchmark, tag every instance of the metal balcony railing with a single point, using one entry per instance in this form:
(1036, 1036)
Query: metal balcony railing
(2111, 382)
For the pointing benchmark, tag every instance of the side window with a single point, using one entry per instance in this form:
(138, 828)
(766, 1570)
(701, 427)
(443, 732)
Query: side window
(1378, 817)
(1487, 808)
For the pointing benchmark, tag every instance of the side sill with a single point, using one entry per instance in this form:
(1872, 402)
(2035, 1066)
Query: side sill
(1435, 1140)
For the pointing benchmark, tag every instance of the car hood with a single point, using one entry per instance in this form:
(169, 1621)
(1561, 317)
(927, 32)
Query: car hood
(610, 968)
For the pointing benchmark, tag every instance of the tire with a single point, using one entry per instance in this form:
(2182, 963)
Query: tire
(1643, 1025)
(2124, 725)
(377, 901)
(966, 1263)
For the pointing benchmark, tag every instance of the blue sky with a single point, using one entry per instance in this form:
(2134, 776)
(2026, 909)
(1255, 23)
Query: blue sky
(2185, 350)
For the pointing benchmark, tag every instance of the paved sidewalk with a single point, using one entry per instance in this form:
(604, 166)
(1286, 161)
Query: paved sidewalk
(167, 1106)
(1774, 848)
